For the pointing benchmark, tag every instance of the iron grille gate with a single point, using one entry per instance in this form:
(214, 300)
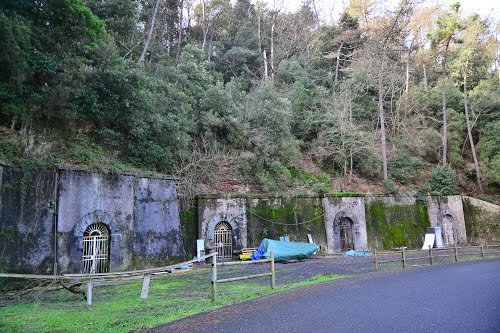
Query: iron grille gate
(223, 240)
(346, 236)
(95, 249)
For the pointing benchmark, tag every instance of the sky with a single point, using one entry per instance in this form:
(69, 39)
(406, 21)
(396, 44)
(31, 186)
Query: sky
(330, 9)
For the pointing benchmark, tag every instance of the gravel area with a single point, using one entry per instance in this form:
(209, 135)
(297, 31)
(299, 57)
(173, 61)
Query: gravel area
(324, 265)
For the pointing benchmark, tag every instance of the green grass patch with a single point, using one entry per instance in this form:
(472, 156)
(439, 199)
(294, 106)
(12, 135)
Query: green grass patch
(118, 308)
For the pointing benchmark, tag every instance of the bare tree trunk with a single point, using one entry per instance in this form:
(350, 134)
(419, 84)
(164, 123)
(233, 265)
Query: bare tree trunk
(445, 123)
(272, 49)
(179, 41)
(382, 123)
(407, 81)
(469, 133)
(150, 34)
(209, 50)
(265, 64)
(350, 149)
(425, 77)
(337, 65)
(205, 25)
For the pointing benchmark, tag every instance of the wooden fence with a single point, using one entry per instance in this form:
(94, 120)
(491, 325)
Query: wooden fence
(145, 275)
(215, 281)
(433, 254)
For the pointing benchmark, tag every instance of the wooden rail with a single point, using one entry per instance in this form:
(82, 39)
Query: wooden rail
(432, 254)
(216, 281)
(144, 274)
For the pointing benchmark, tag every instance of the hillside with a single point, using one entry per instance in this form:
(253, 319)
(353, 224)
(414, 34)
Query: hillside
(243, 97)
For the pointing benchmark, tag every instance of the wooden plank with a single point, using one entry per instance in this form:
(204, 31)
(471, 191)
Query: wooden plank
(139, 272)
(233, 263)
(145, 285)
(243, 277)
(34, 276)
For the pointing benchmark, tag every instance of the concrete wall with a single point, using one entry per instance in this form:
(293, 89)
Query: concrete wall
(451, 208)
(336, 208)
(482, 221)
(26, 220)
(214, 210)
(141, 213)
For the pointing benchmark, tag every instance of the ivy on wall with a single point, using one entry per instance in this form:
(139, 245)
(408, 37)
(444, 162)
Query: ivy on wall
(391, 226)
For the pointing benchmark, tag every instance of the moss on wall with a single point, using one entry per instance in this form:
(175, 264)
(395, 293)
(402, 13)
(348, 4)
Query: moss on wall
(281, 217)
(189, 224)
(390, 226)
(481, 226)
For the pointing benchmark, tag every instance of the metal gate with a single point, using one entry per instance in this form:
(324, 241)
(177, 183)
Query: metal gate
(346, 235)
(223, 240)
(95, 249)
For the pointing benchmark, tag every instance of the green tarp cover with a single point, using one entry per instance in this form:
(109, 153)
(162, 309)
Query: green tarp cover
(287, 250)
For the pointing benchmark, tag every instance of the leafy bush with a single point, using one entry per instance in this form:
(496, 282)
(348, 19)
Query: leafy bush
(369, 163)
(443, 179)
(404, 168)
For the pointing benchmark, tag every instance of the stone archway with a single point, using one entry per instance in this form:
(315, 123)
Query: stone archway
(231, 222)
(447, 228)
(343, 229)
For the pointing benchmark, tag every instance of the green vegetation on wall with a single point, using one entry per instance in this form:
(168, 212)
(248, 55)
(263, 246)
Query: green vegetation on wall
(188, 215)
(480, 226)
(279, 217)
(391, 226)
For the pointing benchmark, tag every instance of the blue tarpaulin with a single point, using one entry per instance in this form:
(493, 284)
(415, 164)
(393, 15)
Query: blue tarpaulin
(352, 253)
(287, 250)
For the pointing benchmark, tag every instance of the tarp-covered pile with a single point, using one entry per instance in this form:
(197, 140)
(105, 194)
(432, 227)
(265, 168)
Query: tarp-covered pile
(287, 250)
(352, 253)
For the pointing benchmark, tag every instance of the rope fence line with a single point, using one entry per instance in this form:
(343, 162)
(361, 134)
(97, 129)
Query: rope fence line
(290, 224)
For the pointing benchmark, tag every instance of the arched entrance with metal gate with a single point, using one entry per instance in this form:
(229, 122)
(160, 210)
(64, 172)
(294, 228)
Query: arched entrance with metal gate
(95, 249)
(447, 227)
(223, 240)
(343, 229)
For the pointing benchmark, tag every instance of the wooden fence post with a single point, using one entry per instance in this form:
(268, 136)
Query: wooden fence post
(482, 250)
(430, 254)
(214, 278)
(404, 257)
(145, 285)
(271, 263)
(89, 292)
(456, 253)
(375, 261)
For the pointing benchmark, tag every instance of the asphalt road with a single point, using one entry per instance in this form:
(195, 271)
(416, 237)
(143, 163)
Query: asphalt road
(463, 297)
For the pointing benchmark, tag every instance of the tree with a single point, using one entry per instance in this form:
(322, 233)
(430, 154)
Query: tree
(448, 26)
(471, 65)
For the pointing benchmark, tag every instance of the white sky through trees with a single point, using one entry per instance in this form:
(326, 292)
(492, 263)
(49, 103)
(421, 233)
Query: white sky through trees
(330, 9)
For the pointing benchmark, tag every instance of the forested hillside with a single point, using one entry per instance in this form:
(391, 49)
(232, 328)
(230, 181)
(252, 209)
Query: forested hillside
(244, 96)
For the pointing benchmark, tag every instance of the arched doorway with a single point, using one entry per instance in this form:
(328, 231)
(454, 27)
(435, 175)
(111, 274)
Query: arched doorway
(95, 249)
(448, 237)
(343, 229)
(223, 240)
(346, 234)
